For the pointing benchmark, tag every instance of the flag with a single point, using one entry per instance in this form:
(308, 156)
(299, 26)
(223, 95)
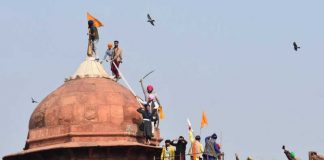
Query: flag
(161, 113)
(96, 22)
(204, 120)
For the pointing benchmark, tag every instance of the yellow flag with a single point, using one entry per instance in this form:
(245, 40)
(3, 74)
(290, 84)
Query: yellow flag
(204, 120)
(96, 22)
(161, 112)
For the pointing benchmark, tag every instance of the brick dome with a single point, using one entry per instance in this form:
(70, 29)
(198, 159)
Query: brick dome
(86, 101)
(88, 111)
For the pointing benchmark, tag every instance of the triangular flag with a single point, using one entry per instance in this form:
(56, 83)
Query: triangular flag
(96, 22)
(204, 120)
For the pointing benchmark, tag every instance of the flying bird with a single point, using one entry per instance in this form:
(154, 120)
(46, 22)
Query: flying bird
(295, 46)
(33, 100)
(149, 19)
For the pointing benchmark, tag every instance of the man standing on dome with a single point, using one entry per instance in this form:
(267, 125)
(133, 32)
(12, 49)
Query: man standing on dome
(116, 59)
(93, 38)
(108, 53)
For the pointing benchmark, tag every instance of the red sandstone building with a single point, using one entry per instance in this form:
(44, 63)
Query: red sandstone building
(89, 117)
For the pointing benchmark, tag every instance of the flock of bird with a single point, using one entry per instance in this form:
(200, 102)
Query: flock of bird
(152, 21)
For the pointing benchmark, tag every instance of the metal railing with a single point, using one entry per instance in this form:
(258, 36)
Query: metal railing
(185, 155)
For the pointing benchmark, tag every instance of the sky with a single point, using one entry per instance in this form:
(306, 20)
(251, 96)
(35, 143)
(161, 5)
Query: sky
(232, 59)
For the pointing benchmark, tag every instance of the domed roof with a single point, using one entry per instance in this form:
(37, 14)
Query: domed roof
(87, 111)
(86, 100)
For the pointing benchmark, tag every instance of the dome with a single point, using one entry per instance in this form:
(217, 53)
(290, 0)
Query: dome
(86, 110)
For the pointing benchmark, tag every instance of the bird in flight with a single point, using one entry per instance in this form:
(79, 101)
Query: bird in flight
(296, 47)
(149, 19)
(33, 100)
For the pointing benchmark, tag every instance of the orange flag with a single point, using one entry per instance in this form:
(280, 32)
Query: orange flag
(204, 120)
(96, 22)
(161, 113)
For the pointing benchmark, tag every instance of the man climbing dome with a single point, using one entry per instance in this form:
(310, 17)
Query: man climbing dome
(180, 145)
(196, 150)
(153, 102)
(116, 59)
(289, 155)
(168, 151)
(146, 124)
(108, 53)
(212, 149)
(93, 39)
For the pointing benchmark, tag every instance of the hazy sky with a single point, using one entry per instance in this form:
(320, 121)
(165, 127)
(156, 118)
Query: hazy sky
(232, 59)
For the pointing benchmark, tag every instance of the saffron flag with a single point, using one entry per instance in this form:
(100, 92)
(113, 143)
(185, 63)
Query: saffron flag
(161, 112)
(96, 22)
(204, 120)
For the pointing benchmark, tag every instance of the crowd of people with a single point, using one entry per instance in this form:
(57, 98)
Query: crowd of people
(176, 149)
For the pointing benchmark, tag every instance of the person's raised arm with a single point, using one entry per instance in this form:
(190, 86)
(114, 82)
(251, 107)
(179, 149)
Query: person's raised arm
(140, 110)
(143, 89)
(173, 142)
(207, 138)
(157, 100)
(184, 142)
(191, 137)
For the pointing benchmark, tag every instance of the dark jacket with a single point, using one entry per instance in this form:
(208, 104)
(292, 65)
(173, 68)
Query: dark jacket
(180, 146)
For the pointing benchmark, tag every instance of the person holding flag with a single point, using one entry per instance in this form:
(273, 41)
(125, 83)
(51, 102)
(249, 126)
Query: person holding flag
(93, 23)
(212, 149)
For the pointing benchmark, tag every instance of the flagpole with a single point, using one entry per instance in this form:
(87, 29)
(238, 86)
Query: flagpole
(221, 139)
(201, 125)
(125, 81)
